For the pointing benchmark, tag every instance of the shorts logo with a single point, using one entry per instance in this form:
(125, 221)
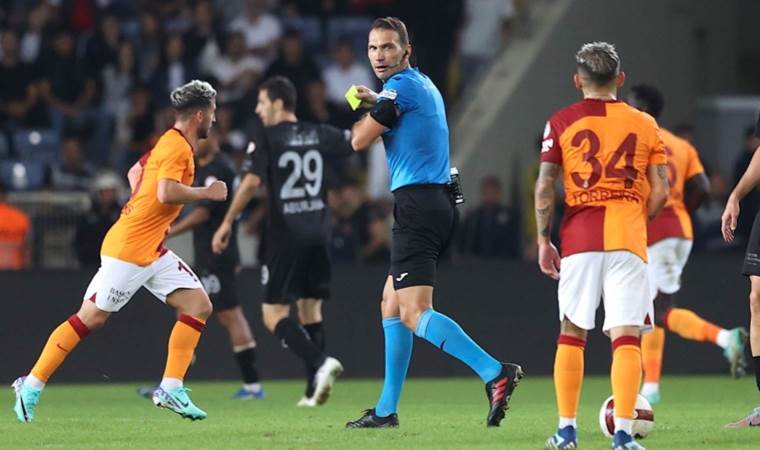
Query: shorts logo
(264, 275)
(211, 284)
(402, 276)
(116, 296)
(182, 267)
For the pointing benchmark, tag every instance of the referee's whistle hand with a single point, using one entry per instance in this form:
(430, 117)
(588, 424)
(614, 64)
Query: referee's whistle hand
(549, 260)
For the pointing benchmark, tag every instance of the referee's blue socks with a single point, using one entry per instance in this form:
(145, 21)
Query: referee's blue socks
(398, 352)
(447, 335)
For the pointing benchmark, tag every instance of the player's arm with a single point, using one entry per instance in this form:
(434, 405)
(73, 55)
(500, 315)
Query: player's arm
(545, 199)
(746, 184)
(175, 193)
(657, 174)
(367, 129)
(197, 216)
(696, 189)
(244, 194)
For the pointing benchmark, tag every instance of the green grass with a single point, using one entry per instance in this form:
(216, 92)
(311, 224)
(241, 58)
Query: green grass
(435, 414)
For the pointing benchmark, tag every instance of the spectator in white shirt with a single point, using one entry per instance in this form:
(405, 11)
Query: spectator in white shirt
(344, 72)
(484, 35)
(261, 29)
(235, 71)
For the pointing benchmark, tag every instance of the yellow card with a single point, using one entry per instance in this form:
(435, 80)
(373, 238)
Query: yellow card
(351, 98)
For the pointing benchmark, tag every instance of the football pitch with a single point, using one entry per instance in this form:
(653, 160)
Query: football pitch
(435, 413)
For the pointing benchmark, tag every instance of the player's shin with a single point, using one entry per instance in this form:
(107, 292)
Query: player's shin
(568, 377)
(60, 343)
(297, 340)
(652, 348)
(182, 342)
(398, 352)
(626, 377)
(316, 332)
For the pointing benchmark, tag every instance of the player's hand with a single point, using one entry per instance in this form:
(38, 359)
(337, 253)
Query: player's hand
(548, 260)
(221, 238)
(217, 191)
(367, 96)
(729, 218)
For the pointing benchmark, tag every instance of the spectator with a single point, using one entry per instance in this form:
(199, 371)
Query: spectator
(297, 67)
(339, 76)
(231, 139)
(119, 79)
(102, 49)
(175, 70)
(33, 37)
(19, 95)
(491, 230)
(751, 202)
(14, 235)
(73, 173)
(261, 29)
(360, 229)
(685, 131)
(235, 71)
(93, 225)
(148, 45)
(70, 94)
(140, 126)
(487, 24)
(204, 33)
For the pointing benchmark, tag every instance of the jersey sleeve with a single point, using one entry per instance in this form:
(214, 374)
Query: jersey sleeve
(694, 166)
(336, 142)
(657, 154)
(400, 91)
(176, 162)
(550, 149)
(257, 156)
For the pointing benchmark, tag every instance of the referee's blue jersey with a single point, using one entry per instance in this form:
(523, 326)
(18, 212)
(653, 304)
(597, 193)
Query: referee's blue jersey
(417, 147)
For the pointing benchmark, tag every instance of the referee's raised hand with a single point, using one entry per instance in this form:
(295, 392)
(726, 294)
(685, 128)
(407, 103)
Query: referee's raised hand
(367, 96)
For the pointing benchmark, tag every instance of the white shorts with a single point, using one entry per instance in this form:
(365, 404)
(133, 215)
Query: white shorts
(618, 277)
(667, 259)
(117, 281)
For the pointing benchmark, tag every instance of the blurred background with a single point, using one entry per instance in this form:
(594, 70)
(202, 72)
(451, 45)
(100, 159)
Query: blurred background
(84, 93)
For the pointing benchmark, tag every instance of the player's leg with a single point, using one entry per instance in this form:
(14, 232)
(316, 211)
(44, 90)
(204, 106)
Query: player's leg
(244, 350)
(110, 289)
(221, 286)
(173, 282)
(628, 310)
(398, 353)
(578, 293)
(310, 317)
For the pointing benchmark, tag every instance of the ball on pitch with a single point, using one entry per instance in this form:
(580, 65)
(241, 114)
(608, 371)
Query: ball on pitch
(643, 418)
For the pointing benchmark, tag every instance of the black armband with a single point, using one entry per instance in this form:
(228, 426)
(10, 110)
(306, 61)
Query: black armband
(386, 113)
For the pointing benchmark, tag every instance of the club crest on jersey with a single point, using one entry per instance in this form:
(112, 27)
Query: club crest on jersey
(251, 148)
(209, 180)
(390, 94)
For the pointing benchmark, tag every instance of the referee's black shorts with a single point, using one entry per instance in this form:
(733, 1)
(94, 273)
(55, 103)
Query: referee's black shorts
(422, 230)
(752, 256)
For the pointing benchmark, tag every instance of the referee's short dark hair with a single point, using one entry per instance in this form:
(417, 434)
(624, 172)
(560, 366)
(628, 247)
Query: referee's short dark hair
(280, 88)
(599, 61)
(395, 24)
(192, 96)
(648, 99)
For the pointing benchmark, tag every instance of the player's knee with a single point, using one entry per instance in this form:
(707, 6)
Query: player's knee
(94, 321)
(203, 309)
(568, 328)
(410, 316)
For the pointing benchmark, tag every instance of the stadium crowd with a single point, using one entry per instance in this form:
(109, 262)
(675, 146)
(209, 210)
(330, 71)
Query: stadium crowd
(86, 82)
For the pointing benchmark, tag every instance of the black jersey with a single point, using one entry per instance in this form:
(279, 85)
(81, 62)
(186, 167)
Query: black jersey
(220, 168)
(290, 159)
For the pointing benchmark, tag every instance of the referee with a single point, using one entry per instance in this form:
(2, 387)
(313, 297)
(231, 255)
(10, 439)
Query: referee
(410, 116)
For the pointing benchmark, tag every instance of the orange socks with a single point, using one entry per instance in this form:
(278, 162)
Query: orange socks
(690, 326)
(626, 377)
(182, 343)
(568, 375)
(61, 341)
(652, 348)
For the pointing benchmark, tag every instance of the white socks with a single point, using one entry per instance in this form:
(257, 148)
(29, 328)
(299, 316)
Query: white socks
(724, 339)
(624, 425)
(567, 421)
(650, 388)
(170, 383)
(33, 382)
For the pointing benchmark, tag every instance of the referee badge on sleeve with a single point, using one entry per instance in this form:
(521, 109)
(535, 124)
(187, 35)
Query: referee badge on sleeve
(390, 94)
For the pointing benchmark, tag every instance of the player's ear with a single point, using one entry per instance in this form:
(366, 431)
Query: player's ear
(408, 52)
(577, 81)
(620, 80)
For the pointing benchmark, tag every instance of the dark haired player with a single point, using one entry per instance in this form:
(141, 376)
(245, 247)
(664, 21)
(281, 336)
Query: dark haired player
(289, 157)
(410, 116)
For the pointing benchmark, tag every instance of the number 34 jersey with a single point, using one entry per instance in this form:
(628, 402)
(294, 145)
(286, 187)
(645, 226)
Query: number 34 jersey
(604, 148)
(290, 158)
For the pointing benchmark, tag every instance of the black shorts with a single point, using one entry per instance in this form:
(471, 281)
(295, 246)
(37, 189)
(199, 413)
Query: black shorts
(221, 287)
(422, 230)
(752, 256)
(291, 273)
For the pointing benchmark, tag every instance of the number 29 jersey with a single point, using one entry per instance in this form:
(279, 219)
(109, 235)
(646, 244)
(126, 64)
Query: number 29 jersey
(290, 159)
(605, 148)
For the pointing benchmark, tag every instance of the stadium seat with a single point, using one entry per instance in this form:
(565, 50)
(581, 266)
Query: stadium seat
(22, 175)
(41, 145)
